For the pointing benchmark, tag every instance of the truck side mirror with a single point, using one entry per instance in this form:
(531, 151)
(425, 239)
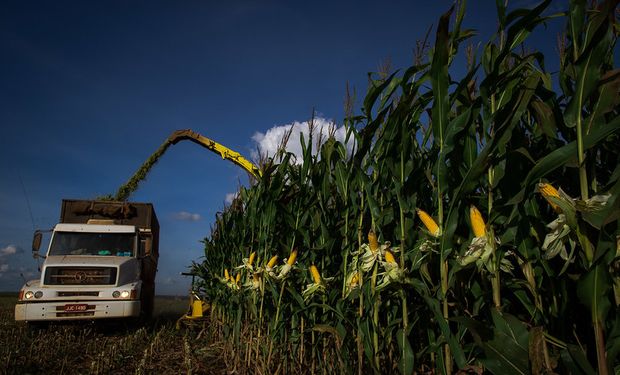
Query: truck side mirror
(36, 241)
(36, 244)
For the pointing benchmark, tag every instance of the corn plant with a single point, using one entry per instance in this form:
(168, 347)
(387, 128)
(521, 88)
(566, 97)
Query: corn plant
(474, 225)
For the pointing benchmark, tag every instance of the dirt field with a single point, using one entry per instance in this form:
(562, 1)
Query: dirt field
(103, 348)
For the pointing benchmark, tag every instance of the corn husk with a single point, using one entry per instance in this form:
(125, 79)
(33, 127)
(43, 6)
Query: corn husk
(318, 283)
(352, 282)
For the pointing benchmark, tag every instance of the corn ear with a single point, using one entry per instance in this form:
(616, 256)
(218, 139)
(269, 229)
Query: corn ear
(272, 261)
(389, 257)
(355, 280)
(292, 258)
(226, 274)
(547, 191)
(316, 276)
(238, 278)
(477, 222)
(252, 256)
(429, 223)
(372, 241)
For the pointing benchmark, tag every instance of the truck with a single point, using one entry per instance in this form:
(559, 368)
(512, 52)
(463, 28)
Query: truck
(102, 256)
(101, 263)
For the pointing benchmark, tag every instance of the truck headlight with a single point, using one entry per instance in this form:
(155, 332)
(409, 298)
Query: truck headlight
(29, 295)
(121, 294)
(38, 294)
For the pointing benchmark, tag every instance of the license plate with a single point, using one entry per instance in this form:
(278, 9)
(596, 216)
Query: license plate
(70, 308)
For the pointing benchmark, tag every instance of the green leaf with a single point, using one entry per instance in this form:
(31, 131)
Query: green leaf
(589, 62)
(563, 155)
(455, 347)
(576, 361)
(439, 78)
(406, 361)
(507, 352)
(608, 213)
(593, 291)
(376, 88)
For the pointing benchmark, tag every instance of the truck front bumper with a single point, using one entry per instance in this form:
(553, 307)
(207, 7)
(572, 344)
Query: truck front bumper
(76, 310)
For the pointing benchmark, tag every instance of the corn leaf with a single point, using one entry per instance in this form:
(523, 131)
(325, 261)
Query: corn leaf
(507, 352)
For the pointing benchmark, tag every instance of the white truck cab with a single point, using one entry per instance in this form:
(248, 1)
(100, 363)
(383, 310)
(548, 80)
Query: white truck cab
(91, 270)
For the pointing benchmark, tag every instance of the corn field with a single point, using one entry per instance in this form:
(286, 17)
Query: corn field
(468, 224)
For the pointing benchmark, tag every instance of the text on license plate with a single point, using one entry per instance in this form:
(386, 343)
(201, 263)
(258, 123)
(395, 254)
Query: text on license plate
(76, 307)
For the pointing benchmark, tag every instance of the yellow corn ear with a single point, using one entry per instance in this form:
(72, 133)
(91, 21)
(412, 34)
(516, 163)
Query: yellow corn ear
(238, 278)
(477, 222)
(429, 223)
(252, 256)
(272, 261)
(389, 257)
(372, 241)
(292, 258)
(355, 279)
(316, 276)
(547, 191)
(226, 274)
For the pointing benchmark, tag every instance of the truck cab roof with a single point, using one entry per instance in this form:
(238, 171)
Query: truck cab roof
(95, 228)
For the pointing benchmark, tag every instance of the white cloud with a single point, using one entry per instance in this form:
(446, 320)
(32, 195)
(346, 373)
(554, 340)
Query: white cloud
(4, 268)
(230, 197)
(269, 141)
(169, 281)
(187, 216)
(10, 250)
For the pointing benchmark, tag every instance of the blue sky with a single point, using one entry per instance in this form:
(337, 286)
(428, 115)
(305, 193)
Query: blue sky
(88, 90)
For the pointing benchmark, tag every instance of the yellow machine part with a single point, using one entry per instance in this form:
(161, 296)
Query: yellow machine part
(197, 309)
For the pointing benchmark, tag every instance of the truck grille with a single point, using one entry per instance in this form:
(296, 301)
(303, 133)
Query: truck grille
(78, 294)
(80, 276)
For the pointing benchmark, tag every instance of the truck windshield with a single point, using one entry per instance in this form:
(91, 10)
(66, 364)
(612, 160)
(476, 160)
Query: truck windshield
(74, 243)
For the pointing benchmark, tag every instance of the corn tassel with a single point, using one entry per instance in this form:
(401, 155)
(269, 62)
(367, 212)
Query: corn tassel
(292, 258)
(272, 261)
(429, 223)
(316, 276)
(372, 241)
(477, 222)
(547, 191)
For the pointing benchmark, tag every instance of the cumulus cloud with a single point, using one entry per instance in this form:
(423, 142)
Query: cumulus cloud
(10, 250)
(187, 216)
(268, 142)
(230, 197)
